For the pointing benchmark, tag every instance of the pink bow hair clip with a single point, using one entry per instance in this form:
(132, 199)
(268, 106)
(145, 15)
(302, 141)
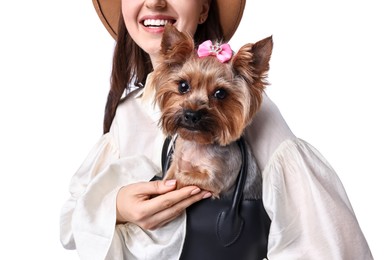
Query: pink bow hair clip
(222, 52)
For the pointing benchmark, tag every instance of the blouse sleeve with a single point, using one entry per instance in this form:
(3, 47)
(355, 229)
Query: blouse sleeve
(88, 217)
(311, 215)
(98, 158)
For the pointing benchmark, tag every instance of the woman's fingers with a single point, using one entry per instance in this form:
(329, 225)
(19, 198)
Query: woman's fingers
(170, 209)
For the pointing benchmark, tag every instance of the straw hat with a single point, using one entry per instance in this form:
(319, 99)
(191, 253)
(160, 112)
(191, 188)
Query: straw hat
(230, 14)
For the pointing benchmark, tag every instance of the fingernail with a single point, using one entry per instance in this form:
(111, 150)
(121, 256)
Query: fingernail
(170, 183)
(207, 195)
(196, 191)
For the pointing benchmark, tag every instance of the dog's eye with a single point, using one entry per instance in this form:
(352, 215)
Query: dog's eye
(220, 93)
(184, 87)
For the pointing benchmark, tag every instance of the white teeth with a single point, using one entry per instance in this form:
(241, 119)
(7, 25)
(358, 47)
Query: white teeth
(155, 22)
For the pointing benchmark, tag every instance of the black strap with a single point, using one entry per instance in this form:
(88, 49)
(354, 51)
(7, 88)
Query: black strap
(165, 156)
(165, 159)
(230, 223)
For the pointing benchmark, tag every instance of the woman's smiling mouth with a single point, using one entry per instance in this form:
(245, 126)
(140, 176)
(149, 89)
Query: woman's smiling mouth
(157, 22)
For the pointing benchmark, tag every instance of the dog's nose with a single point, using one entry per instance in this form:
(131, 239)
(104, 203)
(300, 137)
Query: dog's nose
(192, 117)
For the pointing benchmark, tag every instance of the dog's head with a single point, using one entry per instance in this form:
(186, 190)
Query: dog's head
(205, 99)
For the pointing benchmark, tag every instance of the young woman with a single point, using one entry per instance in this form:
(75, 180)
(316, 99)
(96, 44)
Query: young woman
(116, 212)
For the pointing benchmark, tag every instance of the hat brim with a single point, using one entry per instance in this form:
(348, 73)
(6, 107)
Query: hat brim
(109, 12)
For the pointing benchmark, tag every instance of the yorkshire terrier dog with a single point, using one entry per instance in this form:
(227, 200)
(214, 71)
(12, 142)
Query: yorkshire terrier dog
(207, 98)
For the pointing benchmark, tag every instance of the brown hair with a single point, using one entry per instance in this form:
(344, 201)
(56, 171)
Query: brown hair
(132, 65)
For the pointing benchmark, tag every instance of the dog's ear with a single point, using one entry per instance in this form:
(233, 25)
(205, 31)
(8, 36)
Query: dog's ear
(176, 46)
(252, 64)
(252, 61)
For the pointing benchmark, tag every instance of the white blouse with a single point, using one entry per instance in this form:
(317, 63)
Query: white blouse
(311, 215)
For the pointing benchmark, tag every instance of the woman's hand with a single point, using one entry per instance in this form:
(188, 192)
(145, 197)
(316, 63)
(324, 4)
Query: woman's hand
(138, 203)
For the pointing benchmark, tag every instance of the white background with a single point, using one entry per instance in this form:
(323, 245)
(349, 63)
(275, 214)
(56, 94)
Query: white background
(329, 76)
